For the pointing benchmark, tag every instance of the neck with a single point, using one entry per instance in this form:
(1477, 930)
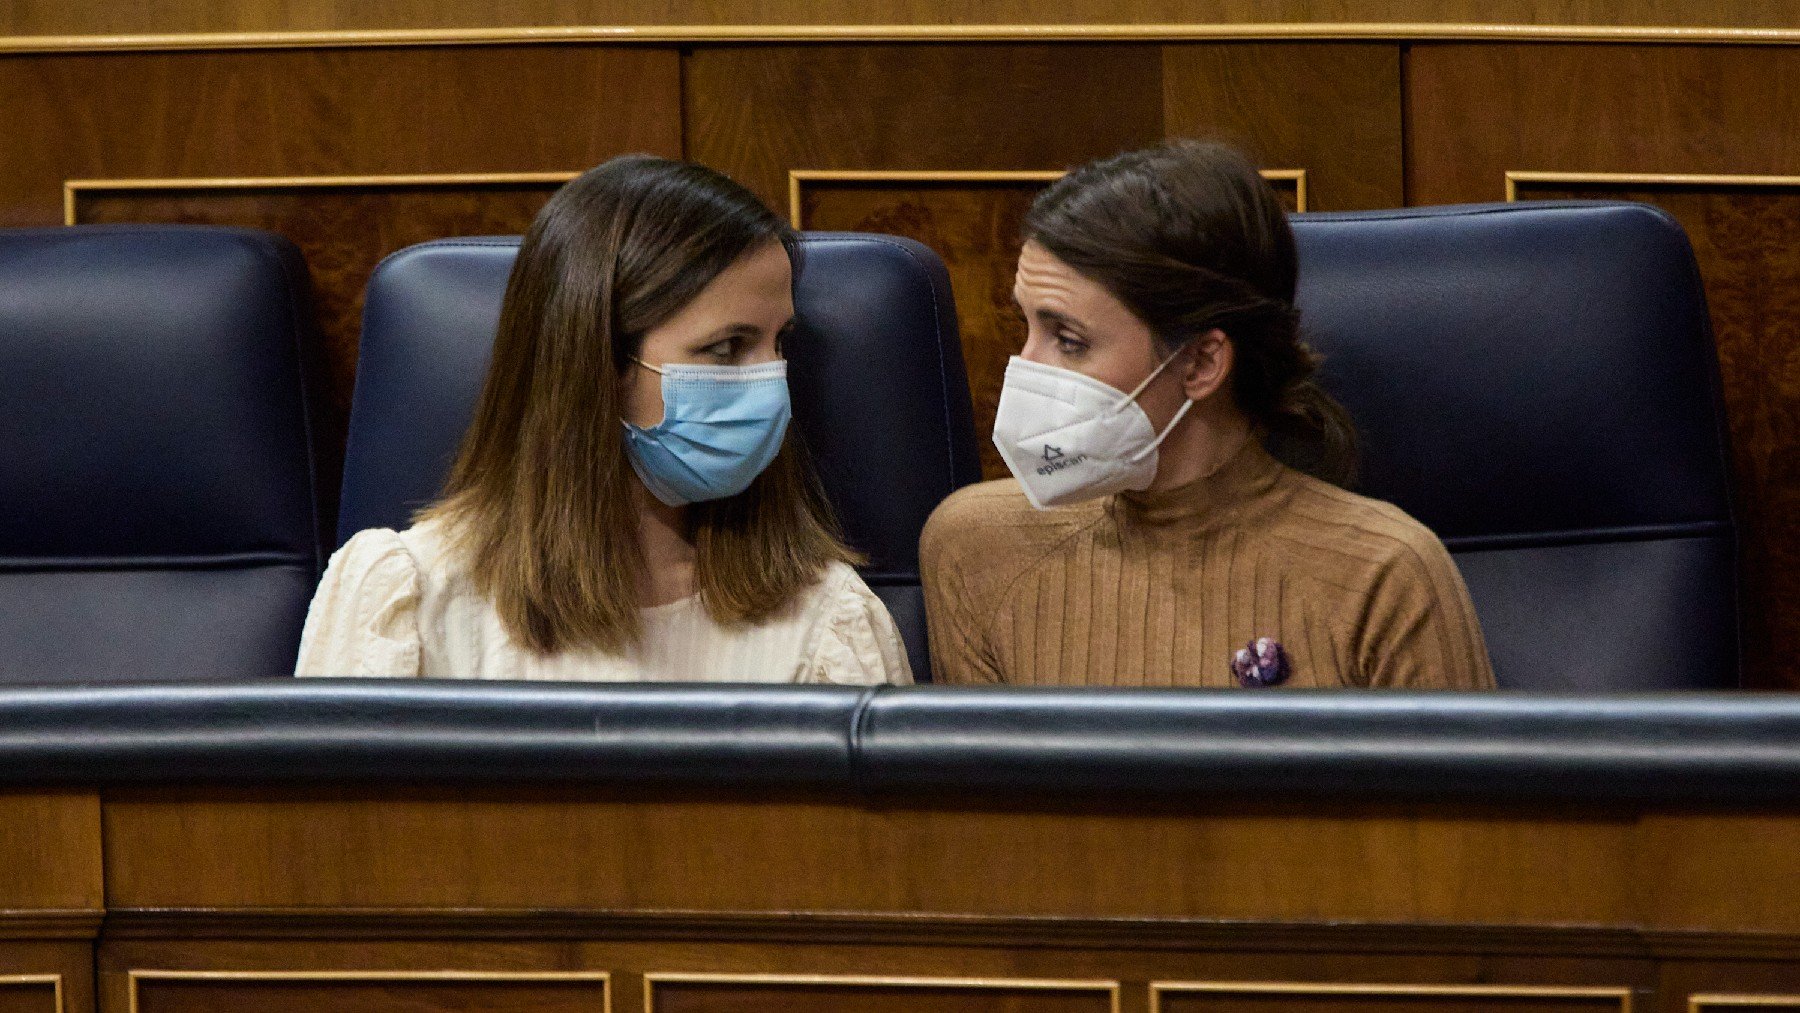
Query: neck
(668, 555)
(1201, 443)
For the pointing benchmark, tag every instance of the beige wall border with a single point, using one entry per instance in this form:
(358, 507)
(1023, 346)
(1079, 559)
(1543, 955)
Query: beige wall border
(797, 178)
(55, 982)
(1516, 178)
(1412, 991)
(652, 979)
(1701, 1001)
(790, 33)
(73, 188)
(137, 975)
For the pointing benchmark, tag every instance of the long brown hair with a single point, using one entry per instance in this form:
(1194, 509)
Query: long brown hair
(539, 504)
(1189, 236)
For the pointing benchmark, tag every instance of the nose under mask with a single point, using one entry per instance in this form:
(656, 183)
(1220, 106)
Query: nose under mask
(1068, 437)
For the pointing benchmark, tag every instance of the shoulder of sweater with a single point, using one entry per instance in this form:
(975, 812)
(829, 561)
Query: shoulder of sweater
(999, 509)
(995, 523)
(1338, 521)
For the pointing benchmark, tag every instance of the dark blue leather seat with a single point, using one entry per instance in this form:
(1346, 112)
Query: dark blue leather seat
(1538, 384)
(158, 515)
(876, 371)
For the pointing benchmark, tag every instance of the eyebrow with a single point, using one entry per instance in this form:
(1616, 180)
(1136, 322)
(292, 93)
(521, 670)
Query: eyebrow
(1053, 316)
(721, 333)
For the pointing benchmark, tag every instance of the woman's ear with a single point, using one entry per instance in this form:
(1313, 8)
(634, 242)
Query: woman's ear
(1209, 366)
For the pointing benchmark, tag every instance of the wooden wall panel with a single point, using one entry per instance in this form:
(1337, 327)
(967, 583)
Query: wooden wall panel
(366, 992)
(30, 993)
(1476, 113)
(50, 853)
(325, 112)
(757, 112)
(726, 994)
(572, 850)
(1333, 110)
(1300, 997)
(63, 17)
(973, 965)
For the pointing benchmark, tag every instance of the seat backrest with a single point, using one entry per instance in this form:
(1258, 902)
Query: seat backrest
(1538, 384)
(880, 395)
(158, 501)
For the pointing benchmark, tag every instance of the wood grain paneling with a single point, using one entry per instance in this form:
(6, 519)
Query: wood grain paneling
(51, 17)
(569, 851)
(343, 231)
(988, 961)
(728, 994)
(36, 975)
(756, 112)
(366, 991)
(50, 853)
(1476, 113)
(1303, 997)
(30, 993)
(326, 112)
(1333, 110)
(974, 226)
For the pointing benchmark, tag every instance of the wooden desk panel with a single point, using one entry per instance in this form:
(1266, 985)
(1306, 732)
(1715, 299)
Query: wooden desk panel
(1650, 907)
(51, 900)
(537, 849)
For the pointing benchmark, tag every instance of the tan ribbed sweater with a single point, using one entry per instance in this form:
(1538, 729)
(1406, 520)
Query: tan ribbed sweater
(1163, 588)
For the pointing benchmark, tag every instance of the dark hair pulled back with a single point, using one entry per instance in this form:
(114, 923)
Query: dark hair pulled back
(1190, 237)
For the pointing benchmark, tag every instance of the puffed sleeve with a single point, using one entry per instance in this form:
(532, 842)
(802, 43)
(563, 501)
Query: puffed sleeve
(1421, 630)
(364, 618)
(859, 645)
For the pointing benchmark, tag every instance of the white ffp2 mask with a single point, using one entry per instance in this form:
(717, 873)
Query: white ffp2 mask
(1067, 437)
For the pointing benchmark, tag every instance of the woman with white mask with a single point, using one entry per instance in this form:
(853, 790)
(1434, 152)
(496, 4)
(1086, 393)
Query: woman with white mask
(628, 503)
(1176, 515)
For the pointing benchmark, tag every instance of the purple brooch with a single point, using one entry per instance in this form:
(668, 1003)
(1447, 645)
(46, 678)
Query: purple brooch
(1262, 662)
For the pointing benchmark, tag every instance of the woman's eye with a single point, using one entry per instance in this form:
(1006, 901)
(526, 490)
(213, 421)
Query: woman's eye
(1070, 346)
(724, 351)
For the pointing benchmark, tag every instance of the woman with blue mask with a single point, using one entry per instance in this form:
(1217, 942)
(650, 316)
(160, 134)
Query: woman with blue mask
(627, 503)
(1177, 514)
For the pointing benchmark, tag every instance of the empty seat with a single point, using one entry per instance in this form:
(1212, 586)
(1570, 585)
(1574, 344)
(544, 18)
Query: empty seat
(876, 373)
(1537, 383)
(158, 508)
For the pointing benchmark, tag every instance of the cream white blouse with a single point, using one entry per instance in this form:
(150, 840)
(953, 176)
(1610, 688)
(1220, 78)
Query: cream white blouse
(394, 604)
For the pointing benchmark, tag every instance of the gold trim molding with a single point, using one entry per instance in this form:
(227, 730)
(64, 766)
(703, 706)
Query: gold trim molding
(652, 979)
(1411, 991)
(797, 177)
(136, 975)
(55, 981)
(1430, 31)
(1515, 178)
(1700, 1001)
(74, 187)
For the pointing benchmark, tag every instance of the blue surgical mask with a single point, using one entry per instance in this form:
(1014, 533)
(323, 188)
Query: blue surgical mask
(721, 427)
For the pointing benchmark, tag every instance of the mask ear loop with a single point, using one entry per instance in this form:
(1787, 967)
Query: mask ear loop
(1179, 414)
(654, 369)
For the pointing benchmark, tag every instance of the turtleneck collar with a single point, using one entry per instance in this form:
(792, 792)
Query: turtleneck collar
(1246, 475)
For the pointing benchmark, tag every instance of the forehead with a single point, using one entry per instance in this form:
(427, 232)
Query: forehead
(763, 272)
(1044, 282)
